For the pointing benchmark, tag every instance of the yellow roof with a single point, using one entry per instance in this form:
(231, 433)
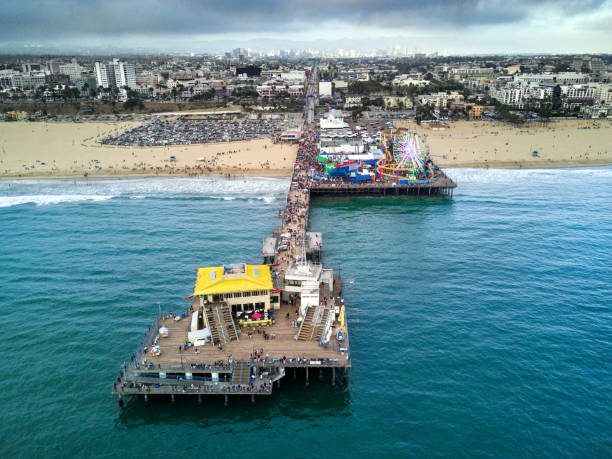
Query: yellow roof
(211, 281)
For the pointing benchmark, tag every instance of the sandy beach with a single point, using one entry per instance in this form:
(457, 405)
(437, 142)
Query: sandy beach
(491, 144)
(40, 149)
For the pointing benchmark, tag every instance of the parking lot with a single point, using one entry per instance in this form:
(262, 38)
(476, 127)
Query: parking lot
(186, 132)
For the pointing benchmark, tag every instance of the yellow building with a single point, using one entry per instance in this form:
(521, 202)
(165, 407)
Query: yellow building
(513, 69)
(16, 115)
(243, 287)
(475, 112)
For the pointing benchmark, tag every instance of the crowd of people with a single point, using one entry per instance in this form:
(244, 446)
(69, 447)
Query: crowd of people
(295, 215)
(162, 132)
(221, 388)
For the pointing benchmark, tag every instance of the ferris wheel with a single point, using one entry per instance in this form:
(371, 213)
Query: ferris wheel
(406, 157)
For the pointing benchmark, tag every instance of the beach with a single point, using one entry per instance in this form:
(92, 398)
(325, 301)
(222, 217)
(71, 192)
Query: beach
(41, 149)
(494, 144)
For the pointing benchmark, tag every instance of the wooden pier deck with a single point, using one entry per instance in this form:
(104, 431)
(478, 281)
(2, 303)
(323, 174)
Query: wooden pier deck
(259, 357)
(282, 344)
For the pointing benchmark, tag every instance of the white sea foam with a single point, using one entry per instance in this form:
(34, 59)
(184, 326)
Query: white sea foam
(58, 191)
(551, 175)
(45, 199)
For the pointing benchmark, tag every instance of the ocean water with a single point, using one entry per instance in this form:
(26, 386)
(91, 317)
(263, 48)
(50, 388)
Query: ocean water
(480, 326)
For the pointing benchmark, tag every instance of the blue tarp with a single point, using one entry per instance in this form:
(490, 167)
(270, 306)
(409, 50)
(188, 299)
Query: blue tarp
(360, 178)
(338, 171)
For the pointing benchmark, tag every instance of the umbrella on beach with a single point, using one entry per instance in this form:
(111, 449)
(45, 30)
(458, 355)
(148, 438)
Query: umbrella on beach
(256, 315)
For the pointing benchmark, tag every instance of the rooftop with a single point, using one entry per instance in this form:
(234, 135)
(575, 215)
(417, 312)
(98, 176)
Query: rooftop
(303, 272)
(232, 278)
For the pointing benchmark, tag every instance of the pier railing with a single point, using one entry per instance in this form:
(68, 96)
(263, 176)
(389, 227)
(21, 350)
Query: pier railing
(145, 345)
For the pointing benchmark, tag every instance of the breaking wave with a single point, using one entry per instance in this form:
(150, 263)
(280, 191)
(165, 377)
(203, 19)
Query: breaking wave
(41, 192)
(45, 199)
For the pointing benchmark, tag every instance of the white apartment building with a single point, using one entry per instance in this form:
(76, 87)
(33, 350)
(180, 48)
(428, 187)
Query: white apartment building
(603, 95)
(518, 93)
(325, 89)
(579, 93)
(509, 95)
(105, 75)
(72, 69)
(294, 77)
(397, 101)
(115, 74)
(125, 75)
(414, 79)
(10, 79)
(559, 78)
(471, 71)
(441, 99)
(270, 90)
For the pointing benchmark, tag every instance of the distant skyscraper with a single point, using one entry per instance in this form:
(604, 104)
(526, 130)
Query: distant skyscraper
(240, 53)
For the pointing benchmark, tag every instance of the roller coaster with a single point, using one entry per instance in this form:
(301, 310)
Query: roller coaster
(406, 158)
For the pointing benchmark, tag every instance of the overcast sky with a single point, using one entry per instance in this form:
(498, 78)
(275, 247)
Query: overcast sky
(458, 26)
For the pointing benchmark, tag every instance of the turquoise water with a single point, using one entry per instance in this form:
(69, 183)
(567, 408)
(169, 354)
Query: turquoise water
(480, 326)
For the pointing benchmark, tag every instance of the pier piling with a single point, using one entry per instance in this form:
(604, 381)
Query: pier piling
(307, 382)
(320, 374)
(333, 377)
(252, 399)
(173, 399)
(226, 400)
(199, 399)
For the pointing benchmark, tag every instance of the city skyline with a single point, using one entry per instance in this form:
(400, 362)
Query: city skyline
(468, 27)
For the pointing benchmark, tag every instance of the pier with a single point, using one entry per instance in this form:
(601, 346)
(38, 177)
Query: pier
(443, 186)
(249, 326)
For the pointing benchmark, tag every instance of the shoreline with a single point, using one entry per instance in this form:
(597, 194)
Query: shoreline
(526, 165)
(254, 173)
(228, 174)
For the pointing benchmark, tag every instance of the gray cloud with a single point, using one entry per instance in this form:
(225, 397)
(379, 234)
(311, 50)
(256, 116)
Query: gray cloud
(62, 20)
(76, 17)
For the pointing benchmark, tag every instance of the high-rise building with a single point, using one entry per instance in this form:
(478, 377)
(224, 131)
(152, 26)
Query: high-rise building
(72, 69)
(125, 75)
(105, 75)
(115, 74)
(597, 65)
(240, 53)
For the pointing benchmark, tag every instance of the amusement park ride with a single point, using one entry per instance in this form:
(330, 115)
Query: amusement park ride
(406, 158)
(403, 159)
